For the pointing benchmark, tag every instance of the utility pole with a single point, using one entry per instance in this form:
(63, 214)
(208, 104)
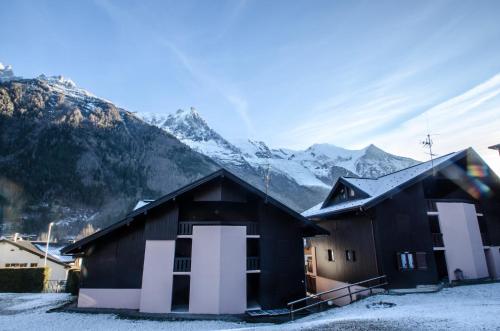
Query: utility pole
(47, 245)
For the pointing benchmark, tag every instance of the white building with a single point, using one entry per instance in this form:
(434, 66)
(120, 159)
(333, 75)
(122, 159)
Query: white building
(24, 254)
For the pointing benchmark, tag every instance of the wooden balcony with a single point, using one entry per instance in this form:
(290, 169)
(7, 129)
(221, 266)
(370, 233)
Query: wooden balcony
(253, 263)
(186, 228)
(182, 264)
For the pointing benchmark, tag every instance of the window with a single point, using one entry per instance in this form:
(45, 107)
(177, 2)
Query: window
(16, 265)
(350, 255)
(352, 193)
(33, 265)
(331, 257)
(412, 260)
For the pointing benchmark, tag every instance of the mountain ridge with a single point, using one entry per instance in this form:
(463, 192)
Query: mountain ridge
(71, 157)
(316, 166)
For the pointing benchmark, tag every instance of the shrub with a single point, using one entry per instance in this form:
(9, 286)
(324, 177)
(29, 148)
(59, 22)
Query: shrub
(73, 281)
(23, 280)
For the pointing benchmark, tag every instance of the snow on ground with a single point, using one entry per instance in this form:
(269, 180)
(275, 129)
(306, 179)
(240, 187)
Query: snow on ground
(474, 307)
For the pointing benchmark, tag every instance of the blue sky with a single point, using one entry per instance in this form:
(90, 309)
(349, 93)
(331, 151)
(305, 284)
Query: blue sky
(291, 73)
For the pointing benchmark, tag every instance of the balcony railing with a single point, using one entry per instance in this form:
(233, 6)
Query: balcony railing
(253, 263)
(182, 264)
(186, 228)
(437, 240)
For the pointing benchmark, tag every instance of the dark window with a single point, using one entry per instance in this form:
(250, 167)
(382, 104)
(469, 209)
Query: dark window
(180, 293)
(350, 255)
(33, 265)
(331, 257)
(412, 260)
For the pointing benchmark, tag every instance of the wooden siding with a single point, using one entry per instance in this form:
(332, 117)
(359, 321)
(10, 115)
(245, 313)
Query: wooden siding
(349, 233)
(282, 276)
(115, 261)
(162, 223)
(401, 224)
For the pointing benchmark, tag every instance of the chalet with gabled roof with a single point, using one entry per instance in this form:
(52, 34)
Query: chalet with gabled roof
(216, 246)
(438, 220)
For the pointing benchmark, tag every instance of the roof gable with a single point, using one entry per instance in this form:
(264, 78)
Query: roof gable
(343, 191)
(222, 173)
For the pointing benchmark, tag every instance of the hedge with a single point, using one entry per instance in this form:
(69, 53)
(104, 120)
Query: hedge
(73, 282)
(23, 280)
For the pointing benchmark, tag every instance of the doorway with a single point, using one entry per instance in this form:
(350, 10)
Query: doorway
(441, 266)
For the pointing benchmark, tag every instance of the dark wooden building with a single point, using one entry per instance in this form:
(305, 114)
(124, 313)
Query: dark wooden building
(216, 246)
(433, 221)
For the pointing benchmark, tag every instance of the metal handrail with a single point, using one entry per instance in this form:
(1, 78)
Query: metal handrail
(348, 287)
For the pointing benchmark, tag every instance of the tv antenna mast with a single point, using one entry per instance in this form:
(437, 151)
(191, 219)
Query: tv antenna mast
(428, 143)
(267, 179)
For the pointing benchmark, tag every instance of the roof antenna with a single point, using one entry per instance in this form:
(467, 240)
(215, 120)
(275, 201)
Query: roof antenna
(267, 179)
(428, 143)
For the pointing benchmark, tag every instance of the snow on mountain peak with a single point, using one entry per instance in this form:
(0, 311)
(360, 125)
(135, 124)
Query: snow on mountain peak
(60, 80)
(6, 73)
(316, 166)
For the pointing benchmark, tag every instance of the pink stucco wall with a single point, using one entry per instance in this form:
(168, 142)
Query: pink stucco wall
(325, 284)
(493, 261)
(157, 276)
(109, 298)
(462, 240)
(218, 270)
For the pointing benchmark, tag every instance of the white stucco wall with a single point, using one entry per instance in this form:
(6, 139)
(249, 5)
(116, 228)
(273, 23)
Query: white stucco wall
(157, 276)
(109, 298)
(218, 270)
(493, 261)
(10, 253)
(462, 240)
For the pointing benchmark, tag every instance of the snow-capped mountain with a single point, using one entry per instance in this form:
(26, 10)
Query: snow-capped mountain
(315, 167)
(69, 157)
(6, 73)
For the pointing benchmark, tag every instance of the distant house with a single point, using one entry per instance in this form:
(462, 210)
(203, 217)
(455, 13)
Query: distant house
(432, 221)
(216, 246)
(24, 254)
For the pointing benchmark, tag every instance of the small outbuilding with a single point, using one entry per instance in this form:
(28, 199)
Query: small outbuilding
(216, 246)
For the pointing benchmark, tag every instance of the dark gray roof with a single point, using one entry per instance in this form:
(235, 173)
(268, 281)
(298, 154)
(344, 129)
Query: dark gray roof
(224, 173)
(382, 187)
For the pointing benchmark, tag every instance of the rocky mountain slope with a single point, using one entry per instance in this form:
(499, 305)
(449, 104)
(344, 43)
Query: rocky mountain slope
(69, 157)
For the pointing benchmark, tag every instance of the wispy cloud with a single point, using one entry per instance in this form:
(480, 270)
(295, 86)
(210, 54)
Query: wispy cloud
(469, 119)
(200, 74)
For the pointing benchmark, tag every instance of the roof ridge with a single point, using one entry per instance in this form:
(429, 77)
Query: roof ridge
(419, 164)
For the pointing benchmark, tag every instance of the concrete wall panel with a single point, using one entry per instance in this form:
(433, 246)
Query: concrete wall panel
(157, 278)
(109, 298)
